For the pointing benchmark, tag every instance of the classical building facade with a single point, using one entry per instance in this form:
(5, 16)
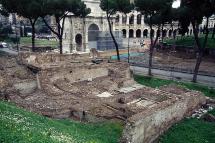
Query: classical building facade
(81, 33)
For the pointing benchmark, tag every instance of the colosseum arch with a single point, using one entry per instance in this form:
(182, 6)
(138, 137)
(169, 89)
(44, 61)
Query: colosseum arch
(131, 33)
(139, 18)
(117, 19)
(124, 19)
(138, 33)
(145, 33)
(131, 19)
(124, 33)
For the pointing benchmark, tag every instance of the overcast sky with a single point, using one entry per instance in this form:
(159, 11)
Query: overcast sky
(176, 4)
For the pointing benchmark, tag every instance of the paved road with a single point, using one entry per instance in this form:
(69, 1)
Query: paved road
(202, 79)
(9, 51)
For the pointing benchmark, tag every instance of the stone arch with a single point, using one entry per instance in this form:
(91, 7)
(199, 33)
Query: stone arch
(124, 33)
(131, 33)
(139, 19)
(117, 19)
(131, 19)
(145, 33)
(124, 19)
(93, 32)
(78, 41)
(138, 33)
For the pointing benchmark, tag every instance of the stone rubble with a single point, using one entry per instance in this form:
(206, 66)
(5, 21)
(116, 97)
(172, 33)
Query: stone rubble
(71, 86)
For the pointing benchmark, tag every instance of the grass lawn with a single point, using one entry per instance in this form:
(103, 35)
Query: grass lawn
(212, 112)
(155, 82)
(27, 42)
(20, 126)
(190, 41)
(190, 131)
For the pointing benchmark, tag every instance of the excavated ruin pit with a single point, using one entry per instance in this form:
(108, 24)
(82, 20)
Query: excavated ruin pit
(74, 87)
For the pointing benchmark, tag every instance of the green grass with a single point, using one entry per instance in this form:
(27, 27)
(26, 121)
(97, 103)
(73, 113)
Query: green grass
(27, 42)
(20, 126)
(190, 41)
(155, 82)
(190, 131)
(212, 112)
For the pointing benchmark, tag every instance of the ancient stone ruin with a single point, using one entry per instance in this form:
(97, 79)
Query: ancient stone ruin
(72, 86)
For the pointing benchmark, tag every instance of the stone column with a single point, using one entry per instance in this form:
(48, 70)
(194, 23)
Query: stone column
(135, 33)
(142, 20)
(135, 19)
(120, 19)
(128, 16)
(127, 35)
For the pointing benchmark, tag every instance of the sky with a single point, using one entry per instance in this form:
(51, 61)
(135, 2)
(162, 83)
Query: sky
(176, 4)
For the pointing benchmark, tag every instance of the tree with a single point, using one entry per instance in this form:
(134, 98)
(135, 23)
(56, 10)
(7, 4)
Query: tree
(195, 11)
(153, 11)
(213, 4)
(111, 7)
(60, 9)
(41, 27)
(25, 8)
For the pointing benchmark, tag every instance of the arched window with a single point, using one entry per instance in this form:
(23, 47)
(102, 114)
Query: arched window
(117, 19)
(145, 33)
(138, 33)
(131, 19)
(139, 18)
(124, 19)
(124, 33)
(131, 33)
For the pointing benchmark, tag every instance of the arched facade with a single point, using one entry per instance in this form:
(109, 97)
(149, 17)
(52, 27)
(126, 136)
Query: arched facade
(131, 33)
(96, 22)
(131, 19)
(138, 33)
(93, 32)
(124, 19)
(139, 19)
(145, 33)
(124, 33)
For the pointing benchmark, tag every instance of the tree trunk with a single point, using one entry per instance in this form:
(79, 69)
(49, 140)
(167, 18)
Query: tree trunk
(162, 38)
(150, 59)
(33, 33)
(198, 63)
(200, 48)
(33, 37)
(151, 51)
(213, 35)
(114, 40)
(61, 44)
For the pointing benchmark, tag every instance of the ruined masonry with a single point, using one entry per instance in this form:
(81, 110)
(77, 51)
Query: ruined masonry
(72, 86)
